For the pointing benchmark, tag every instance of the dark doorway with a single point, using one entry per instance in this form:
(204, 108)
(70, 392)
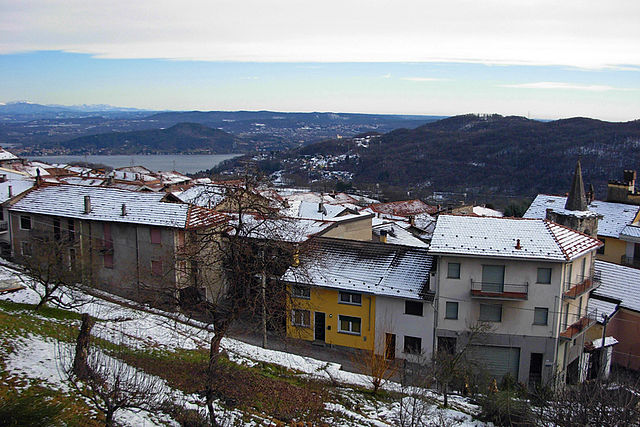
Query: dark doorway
(319, 326)
(390, 346)
(535, 369)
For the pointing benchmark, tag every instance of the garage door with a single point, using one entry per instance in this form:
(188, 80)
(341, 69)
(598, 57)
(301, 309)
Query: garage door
(497, 361)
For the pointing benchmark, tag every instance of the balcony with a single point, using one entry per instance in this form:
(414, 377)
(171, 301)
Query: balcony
(575, 325)
(499, 291)
(630, 261)
(585, 285)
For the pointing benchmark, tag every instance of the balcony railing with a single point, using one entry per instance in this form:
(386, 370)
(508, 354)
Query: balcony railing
(490, 290)
(583, 286)
(4, 226)
(630, 261)
(575, 325)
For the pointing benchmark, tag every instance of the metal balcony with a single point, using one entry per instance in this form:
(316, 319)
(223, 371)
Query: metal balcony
(584, 285)
(499, 291)
(575, 325)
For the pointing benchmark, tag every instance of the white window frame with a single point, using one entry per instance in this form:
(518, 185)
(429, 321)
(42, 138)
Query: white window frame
(301, 321)
(538, 275)
(449, 276)
(457, 305)
(350, 295)
(300, 291)
(352, 321)
(28, 217)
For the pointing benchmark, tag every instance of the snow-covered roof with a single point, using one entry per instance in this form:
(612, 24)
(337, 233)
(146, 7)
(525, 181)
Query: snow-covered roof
(293, 230)
(482, 211)
(396, 234)
(173, 177)
(106, 205)
(7, 155)
(601, 307)
(312, 210)
(608, 342)
(364, 267)
(614, 216)
(498, 237)
(208, 195)
(18, 185)
(618, 283)
(403, 208)
(631, 233)
(76, 180)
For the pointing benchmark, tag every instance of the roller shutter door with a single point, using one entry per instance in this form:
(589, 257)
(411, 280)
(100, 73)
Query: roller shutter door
(497, 361)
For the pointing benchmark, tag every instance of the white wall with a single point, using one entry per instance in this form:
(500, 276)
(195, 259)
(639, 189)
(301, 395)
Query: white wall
(517, 315)
(391, 318)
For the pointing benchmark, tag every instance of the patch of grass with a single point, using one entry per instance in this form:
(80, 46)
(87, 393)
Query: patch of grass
(46, 311)
(40, 406)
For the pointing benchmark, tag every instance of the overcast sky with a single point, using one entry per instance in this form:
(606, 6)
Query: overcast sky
(546, 59)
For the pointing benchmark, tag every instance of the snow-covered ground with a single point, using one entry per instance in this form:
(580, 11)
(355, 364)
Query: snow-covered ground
(36, 357)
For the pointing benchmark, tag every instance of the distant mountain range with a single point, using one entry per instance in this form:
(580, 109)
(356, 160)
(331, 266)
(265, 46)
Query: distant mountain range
(183, 138)
(478, 155)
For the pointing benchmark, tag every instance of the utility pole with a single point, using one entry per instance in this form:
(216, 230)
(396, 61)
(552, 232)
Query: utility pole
(603, 354)
(263, 289)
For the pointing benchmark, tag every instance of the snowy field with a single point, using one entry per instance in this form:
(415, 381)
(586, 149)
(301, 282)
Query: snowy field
(36, 357)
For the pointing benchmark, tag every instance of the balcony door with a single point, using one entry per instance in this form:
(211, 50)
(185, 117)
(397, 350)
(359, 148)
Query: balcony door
(493, 278)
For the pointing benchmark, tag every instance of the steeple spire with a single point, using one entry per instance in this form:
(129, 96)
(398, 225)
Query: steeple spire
(577, 201)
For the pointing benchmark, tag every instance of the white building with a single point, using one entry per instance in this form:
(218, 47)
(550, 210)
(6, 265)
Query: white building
(528, 279)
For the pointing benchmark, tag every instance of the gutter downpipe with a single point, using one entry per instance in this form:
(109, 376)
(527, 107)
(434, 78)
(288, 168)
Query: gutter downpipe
(435, 310)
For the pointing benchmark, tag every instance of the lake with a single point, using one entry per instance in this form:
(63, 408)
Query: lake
(185, 163)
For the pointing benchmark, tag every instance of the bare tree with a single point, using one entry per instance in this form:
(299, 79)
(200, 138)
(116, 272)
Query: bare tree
(451, 363)
(109, 383)
(52, 269)
(376, 366)
(226, 271)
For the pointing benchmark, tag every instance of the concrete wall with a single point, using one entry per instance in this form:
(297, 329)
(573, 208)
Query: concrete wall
(517, 315)
(614, 249)
(625, 327)
(391, 318)
(359, 229)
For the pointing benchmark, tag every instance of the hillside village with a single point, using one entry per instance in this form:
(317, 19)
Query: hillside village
(549, 299)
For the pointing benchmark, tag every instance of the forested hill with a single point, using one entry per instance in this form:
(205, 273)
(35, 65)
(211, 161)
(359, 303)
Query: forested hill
(493, 154)
(182, 138)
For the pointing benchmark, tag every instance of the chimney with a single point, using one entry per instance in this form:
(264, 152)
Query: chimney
(383, 236)
(38, 178)
(320, 207)
(124, 210)
(518, 244)
(10, 191)
(412, 220)
(87, 204)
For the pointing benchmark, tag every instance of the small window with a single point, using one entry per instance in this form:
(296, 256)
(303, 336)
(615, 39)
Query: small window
(601, 248)
(25, 222)
(156, 236)
(25, 248)
(451, 311)
(350, 298)
(1, 214)
(540, 316)
(412, 345)
(349, 325)
(108, 261)
(453, 270)
(303, 292)
(544, 276)
(108, 240)
(301, 318)
(156, 268)
(413, 307)
(491, 312)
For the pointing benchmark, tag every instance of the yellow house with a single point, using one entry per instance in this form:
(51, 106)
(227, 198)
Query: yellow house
(336, 291)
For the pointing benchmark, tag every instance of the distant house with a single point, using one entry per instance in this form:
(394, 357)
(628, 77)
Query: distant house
(364, 295)
(127, 242)
(618, 298)
(528, 279)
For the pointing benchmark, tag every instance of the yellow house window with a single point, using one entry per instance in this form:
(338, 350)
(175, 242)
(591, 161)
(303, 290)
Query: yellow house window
(349, 325)
(301, 318)
(350, 298)
(303, 292)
